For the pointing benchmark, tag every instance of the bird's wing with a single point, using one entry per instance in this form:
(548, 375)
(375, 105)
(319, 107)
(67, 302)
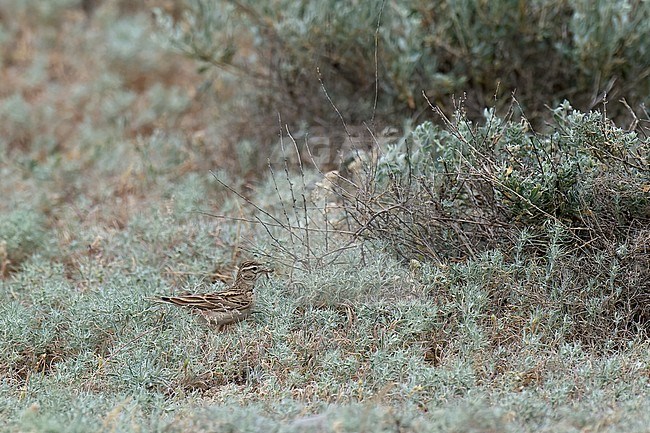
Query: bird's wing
(222, 301)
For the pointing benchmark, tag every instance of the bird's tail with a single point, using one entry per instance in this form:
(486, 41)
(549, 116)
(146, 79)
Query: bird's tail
(194, 301)
(160, 299)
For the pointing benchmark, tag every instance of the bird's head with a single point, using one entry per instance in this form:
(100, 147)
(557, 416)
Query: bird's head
(250, 270)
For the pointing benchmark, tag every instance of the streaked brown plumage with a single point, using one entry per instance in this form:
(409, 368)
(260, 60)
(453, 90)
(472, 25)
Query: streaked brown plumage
(229, 306)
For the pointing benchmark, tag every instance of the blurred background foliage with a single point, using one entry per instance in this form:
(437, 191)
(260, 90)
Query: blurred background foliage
(377, 58)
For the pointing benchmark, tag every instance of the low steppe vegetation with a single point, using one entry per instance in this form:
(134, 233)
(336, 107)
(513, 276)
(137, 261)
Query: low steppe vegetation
(472, 263)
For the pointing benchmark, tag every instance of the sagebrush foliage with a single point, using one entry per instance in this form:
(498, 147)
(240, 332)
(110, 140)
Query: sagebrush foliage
(575, 199)
(498, 177)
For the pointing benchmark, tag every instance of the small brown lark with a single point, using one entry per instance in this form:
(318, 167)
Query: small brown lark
(229, 306)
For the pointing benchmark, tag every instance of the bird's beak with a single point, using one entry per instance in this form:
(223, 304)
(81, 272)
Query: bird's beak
(267, 270)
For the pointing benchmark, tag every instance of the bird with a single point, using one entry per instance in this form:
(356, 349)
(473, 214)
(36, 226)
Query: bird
(228, 306)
